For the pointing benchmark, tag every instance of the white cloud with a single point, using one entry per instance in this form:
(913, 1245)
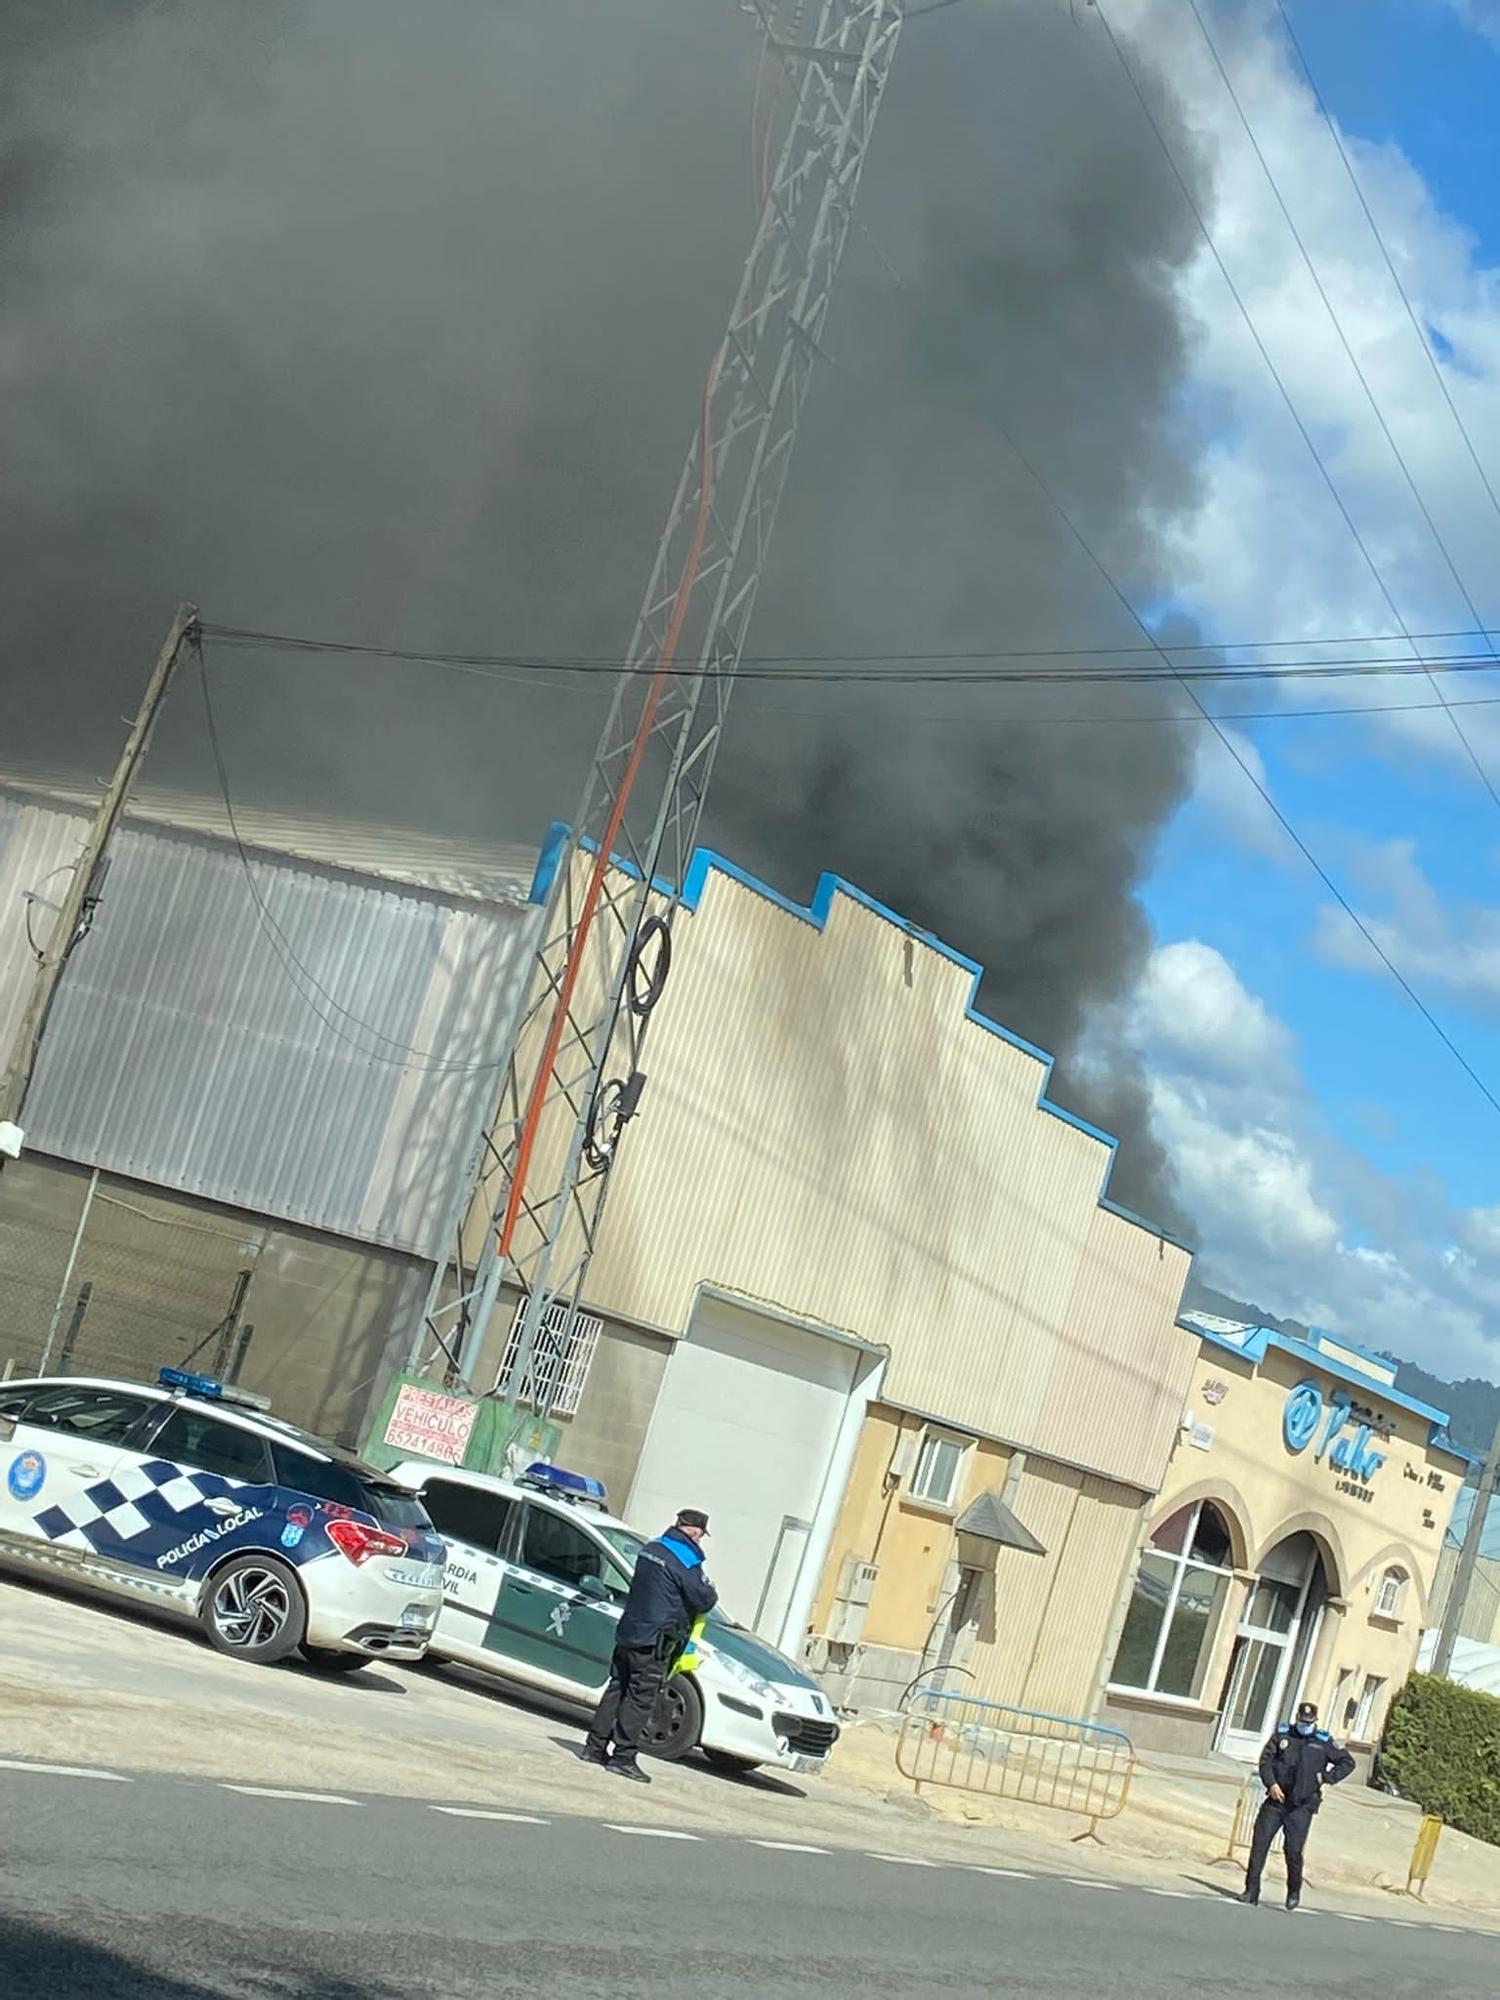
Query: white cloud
(1286, 1214)
(1191, 1004)
(1442, 949)
(1481, 15)
(1268, 553)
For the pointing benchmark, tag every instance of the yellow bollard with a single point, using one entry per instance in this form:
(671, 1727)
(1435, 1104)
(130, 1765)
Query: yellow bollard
(1422, 1854)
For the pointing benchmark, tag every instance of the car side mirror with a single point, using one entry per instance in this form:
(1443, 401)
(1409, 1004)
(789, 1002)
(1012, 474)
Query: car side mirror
(8, 1421)
(594, 1588)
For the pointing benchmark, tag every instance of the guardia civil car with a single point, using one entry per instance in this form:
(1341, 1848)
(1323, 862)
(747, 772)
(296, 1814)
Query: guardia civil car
(536, 1576)
(191, 1497)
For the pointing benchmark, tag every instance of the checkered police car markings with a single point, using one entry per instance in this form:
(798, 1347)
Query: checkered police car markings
(138, 1499)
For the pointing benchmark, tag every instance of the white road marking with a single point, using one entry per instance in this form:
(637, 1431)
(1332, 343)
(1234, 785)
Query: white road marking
(63, 1771)
(789, 1847)
(474, 1812)
(1010, 1874)
(1177, 1895)
(273, 1792)
(1345, 1917)
(651, 1832)
(904, 1860)
(1079, 1882)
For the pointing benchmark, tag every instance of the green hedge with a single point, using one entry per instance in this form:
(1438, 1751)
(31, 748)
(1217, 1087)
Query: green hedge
(1442, 1748)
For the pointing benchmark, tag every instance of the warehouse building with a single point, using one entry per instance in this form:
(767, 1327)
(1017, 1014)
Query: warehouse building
(862, 1294)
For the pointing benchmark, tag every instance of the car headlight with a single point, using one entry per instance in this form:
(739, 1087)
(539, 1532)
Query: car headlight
(746, 1676)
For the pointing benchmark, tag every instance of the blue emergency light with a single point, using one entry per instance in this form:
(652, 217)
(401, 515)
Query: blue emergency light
(184, 1383)
(188, 1384)
(566, 1485)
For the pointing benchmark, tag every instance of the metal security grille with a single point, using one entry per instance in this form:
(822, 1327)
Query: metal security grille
(559, 1362)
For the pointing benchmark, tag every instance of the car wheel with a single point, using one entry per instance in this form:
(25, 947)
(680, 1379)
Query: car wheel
(727, 1762)
(676, 1721)
(329, 1662)
(253, 1609)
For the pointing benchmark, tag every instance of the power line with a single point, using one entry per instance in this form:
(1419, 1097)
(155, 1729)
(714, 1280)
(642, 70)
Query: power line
(1286, 825)
(496, 666)
(1422, 340)
(1354, 362)
(1265, 354)
(235, 634)
(281, 945)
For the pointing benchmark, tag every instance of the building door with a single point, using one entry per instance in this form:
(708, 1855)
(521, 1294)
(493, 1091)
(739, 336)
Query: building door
(1271, 1647)
(745, 1427)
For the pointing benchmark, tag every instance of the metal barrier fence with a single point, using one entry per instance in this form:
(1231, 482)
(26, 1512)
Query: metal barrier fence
(964, 1743)
(1247, 1805)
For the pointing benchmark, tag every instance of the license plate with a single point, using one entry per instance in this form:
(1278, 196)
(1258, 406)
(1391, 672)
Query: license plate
(415, 1618)
(808, 1767)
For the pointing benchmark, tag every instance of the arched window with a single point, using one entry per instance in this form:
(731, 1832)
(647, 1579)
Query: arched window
(1174, 1610)
(1392, 1591)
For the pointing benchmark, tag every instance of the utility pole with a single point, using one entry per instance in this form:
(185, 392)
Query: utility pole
(76, 914)
(573, 1077)
(1463, 1576)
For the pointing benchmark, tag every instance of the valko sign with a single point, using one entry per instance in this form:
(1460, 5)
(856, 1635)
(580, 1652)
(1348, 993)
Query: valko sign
(1308, 1415)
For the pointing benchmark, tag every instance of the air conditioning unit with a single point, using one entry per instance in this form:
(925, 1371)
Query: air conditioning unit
(852, 1602)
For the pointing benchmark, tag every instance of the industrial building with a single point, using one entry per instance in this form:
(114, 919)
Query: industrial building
(858, 1279)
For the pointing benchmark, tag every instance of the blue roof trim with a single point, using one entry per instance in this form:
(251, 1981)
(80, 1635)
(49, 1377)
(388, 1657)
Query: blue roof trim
(707, 861)
(547, 861)
(1262, 1338)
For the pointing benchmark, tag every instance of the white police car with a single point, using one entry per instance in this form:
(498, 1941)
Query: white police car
(536, 1576)
(192, 1497)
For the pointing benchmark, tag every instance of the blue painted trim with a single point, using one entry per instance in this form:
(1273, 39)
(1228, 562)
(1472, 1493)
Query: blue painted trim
(548, 857)
(705, 861)
(1262, 1339)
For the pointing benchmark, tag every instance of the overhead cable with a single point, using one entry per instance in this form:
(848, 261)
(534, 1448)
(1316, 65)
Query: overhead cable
(1355, 364)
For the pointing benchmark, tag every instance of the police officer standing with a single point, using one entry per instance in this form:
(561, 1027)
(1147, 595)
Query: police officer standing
(667, 1592)
(1297, 1762)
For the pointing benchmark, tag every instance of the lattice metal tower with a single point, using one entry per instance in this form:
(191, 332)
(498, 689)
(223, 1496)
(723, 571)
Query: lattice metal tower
(575, 1043)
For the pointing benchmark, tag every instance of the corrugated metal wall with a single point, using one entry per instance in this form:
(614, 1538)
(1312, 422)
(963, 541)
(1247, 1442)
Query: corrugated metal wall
(304, 1043)
(826, 1130)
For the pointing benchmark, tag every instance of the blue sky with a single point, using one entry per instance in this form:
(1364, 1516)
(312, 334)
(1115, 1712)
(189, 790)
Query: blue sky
(1341, 1164)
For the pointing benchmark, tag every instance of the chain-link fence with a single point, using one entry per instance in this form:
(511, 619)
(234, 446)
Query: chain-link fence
(96, 1279)
(104, 1276)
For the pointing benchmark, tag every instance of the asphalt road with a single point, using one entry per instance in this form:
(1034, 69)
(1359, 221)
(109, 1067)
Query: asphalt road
(184, 1889)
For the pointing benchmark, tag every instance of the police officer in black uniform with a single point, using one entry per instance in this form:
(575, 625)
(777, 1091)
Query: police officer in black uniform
(668, 1591)
(1297, 1762)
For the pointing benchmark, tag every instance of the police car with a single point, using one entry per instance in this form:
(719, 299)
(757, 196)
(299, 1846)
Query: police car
(535, 1580)
(190, 1496)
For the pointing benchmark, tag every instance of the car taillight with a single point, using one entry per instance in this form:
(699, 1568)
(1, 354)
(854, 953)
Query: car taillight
(359, 1542)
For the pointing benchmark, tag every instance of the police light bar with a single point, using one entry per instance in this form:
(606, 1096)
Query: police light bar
(566, 1485)
(189, 1385)
(185, 1383)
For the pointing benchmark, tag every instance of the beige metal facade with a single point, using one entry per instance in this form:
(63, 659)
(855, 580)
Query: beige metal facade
(829, 1127)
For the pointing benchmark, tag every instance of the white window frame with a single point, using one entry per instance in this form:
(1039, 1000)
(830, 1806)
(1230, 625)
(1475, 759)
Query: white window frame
(1364, 1715)
(556, 1378)
(1182, 1561)
(927, 1455)
(1388, 1598)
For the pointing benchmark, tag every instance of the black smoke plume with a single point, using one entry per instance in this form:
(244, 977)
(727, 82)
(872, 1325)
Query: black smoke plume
(362, 318)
